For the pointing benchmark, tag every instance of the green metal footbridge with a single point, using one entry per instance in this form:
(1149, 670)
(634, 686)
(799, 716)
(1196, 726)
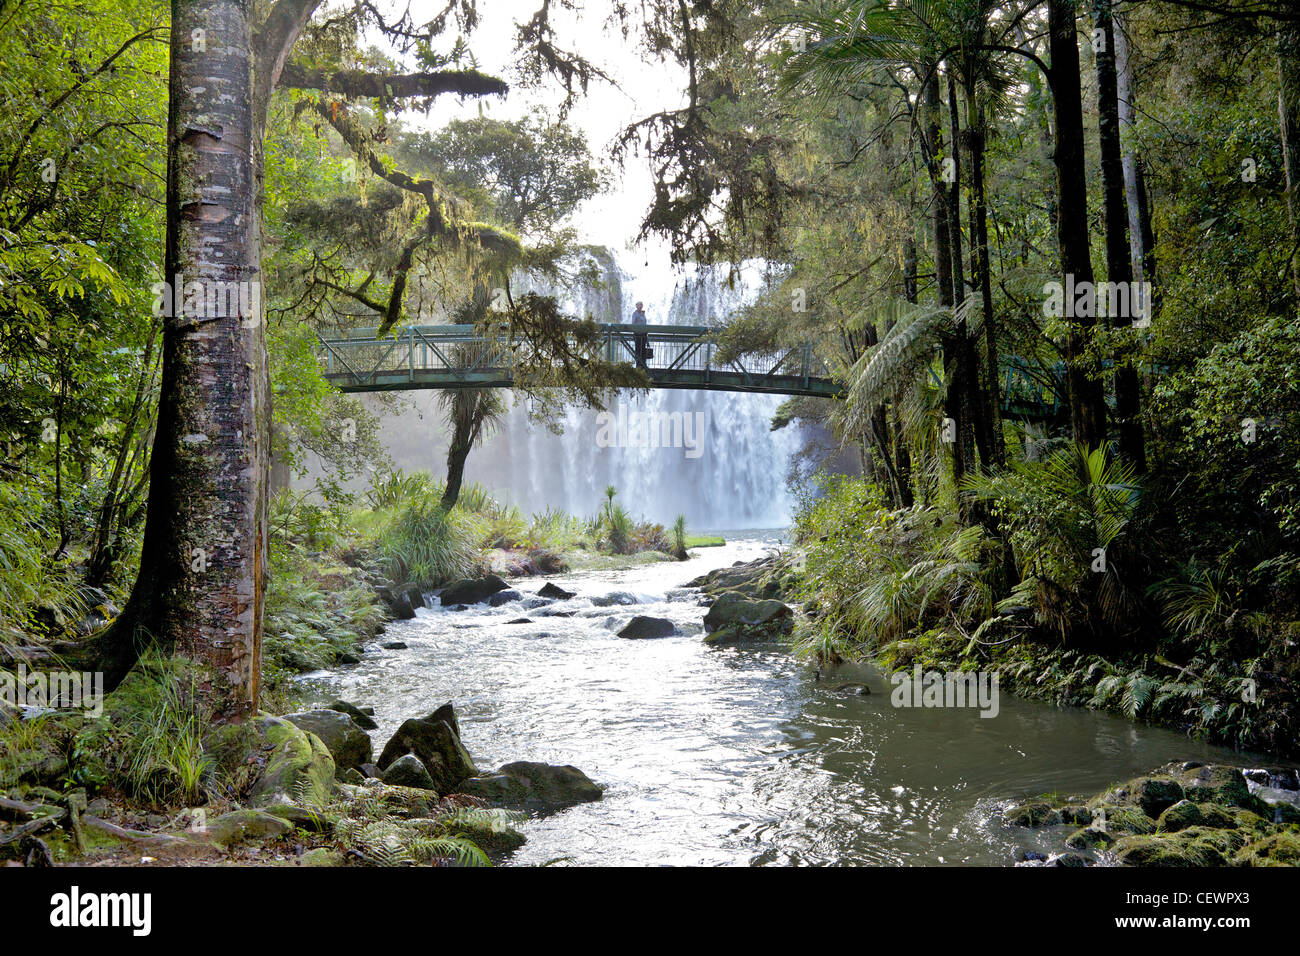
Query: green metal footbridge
(461, 356)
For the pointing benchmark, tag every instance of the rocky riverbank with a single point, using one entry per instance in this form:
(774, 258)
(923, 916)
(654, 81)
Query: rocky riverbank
(1183, 814)
(302, 790)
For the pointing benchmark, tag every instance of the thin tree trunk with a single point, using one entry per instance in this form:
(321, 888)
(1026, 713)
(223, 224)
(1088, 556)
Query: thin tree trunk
(964, 410)
(1119, 266)
(981, 266)
(1087, 398)
(1288, 105)
(1128, 150)
(457, 452)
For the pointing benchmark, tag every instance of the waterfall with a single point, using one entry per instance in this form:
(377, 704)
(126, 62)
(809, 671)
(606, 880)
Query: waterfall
(734, 479)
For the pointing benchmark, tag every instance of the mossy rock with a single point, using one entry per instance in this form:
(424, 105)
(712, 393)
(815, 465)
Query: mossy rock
(755, 620)
(1213, 783)
(532, 786)
(1078, 815)
(1193, 847)
(321, 856)
(1122, 820)
(1089, 838)
(304, 818)
(1280, 849)
(1180, 816)
(271, 761)
(1036, 814)
(240, 826)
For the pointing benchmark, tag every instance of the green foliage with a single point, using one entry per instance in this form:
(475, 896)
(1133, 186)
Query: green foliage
(428, 546)
(872, 575)
(680, 537)
(150, 737)
(1056, 515)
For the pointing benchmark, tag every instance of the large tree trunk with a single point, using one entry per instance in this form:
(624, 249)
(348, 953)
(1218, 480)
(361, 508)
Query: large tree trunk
(1119, 265)
(1288, 104)
(1087, 398)
(203, 567)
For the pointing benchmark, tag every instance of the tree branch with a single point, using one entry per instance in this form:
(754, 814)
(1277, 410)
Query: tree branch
(358, 83)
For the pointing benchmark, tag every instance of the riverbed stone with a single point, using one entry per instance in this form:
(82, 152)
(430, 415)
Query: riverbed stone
(535, 787)
(504, 597)
(549, 590)
(471, 590)
(397, 602)
(348, 744)
(436, 741)
(415, 594)
(1089, 838)
(365, 721)
(1037, 813)
(642, 627)
(737, 617)
(408, 770)
(756, 580)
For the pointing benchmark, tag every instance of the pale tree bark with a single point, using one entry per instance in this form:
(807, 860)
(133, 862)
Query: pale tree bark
(203, 565)
(1128, 149)
(1119, 266)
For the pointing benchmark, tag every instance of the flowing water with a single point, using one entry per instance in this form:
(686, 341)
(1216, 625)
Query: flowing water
(733, 756)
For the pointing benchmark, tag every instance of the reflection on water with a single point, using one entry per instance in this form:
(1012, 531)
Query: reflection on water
(727, 756)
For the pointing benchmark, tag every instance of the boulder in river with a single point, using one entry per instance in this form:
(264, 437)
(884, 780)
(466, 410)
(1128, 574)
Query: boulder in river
(397, 602)
(549, 590)
(471, 590)
(414, 594)
(536, 787)
(759, 579)
(408, 771)
(504, 597)
(436, 741)
(365, 721)
(394, 645)
(347, 743)
(641, 627)
(733, 617)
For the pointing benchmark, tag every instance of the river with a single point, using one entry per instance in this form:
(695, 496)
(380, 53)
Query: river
(716, 755)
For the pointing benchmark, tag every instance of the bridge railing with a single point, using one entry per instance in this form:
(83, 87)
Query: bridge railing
(679, 354)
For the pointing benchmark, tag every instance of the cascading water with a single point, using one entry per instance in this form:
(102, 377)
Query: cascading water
(733, 477)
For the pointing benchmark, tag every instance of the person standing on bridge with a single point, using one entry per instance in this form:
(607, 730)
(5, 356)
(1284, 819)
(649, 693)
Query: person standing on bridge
(640, 339)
